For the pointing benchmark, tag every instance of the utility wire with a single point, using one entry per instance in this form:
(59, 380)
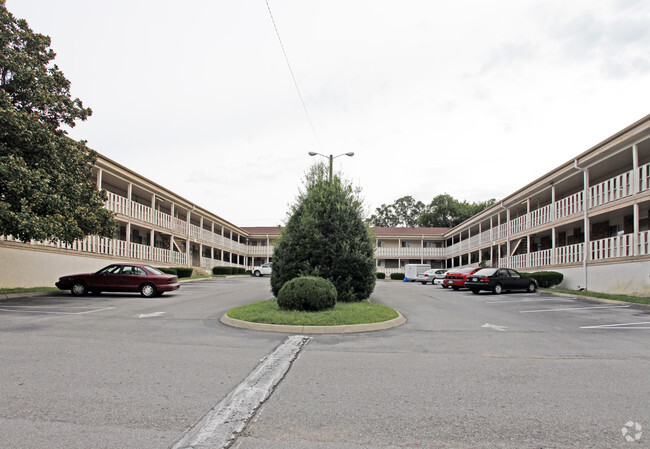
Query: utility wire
(295, 83)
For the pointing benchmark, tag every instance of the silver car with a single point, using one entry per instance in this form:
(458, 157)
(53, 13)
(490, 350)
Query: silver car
(429, 276)
(439, 277)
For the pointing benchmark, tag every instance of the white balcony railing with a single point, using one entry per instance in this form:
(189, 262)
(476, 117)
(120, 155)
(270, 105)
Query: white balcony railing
(411, 252)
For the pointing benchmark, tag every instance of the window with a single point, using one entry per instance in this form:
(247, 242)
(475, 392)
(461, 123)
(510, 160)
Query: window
(406, 244)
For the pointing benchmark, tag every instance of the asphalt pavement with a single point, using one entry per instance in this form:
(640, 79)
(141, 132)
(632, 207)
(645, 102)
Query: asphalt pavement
(465, 371)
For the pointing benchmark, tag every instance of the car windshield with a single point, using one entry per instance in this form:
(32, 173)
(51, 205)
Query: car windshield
(111, 269)
(486, 271)
(152, 270)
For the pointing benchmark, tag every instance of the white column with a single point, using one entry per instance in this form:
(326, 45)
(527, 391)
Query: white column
(553, 213)
(100, 175)
(635, 169)
(635, 236)
(422, 250)
(553, 246)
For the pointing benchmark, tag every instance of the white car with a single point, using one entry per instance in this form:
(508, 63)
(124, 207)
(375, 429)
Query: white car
(264, 269)
(439, 277)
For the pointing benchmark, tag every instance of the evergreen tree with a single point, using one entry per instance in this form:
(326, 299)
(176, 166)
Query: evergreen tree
(327, 237)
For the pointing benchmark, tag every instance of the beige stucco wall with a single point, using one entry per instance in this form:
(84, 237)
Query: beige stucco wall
(627, 278)
(33, 268)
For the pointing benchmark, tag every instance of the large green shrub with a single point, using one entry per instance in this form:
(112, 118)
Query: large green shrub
(184, 272)
(381, 275)
(326, 236)
(547, 279)
(397, 276)
(308, 294)
(222, 270)
(167, 270)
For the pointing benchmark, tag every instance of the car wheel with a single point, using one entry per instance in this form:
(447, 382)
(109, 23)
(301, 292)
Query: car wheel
(148, 290)
(531, 287)
(498, 289)
(455, 288)
(424, 283)
(445, 286)
(475, 291)
(257, 273)
(78, 289)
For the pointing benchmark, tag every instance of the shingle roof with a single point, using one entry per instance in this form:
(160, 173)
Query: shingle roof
(262, 230)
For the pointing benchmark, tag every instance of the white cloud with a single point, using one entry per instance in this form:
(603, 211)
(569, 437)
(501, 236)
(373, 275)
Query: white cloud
(471, 98)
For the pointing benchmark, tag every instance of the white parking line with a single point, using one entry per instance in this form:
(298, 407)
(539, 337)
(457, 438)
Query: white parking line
(619, 326)
(573, 308)
(23, 309)
(528, 300)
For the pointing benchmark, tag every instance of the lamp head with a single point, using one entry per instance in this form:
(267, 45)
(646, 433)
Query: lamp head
(311, 153)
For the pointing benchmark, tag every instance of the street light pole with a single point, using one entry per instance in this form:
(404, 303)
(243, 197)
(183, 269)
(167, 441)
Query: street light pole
(331, 157)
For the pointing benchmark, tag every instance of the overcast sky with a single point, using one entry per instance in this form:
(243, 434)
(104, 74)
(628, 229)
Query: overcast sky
(471, 98)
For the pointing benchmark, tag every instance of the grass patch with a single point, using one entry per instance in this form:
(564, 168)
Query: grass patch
(342, 313)
(625, 298)
(6, 291)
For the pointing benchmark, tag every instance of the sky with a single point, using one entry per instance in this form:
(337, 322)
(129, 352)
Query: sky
(471, 98)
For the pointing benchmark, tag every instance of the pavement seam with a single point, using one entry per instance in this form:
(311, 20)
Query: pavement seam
(220, 427)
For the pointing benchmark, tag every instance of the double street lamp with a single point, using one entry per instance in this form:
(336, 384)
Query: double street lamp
(331, 158)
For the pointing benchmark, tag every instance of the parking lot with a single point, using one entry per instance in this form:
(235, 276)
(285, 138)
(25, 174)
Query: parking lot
(466, 371)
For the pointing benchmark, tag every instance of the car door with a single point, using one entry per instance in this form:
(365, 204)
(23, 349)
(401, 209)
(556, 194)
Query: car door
(105, 279)
(517, 280)
(130, 278)
(503, 277)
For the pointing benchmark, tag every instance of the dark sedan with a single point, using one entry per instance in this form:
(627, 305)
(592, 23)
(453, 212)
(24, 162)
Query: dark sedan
(121, 277)
(498, 280)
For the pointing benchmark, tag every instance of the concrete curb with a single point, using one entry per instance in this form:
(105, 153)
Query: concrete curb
(8, 296)
(344, 329)
(593, 298)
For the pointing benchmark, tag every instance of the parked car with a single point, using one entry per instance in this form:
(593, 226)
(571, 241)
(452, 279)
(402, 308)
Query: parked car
(121, 277)
(456, 278)
(498, 280)
(430, 276)
(264, 269)
(439, 277)
(425, 277)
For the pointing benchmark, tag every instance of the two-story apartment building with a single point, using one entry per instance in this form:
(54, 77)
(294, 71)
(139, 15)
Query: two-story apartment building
(588, 218)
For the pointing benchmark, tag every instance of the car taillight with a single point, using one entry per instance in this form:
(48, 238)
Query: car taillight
(172, 280)
(485, 279)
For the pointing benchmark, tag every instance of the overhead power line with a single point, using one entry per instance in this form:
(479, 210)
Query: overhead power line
(293, 77)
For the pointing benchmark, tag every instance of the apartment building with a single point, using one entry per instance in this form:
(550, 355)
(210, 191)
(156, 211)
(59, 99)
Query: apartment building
(588, 218)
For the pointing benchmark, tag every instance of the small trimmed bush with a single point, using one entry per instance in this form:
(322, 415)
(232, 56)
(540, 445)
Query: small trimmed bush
(547, 279)
(184, 272)
(397, 276)
(381, 275)
(308, 294)
(239, 270)
(167, 270)
(222, 270)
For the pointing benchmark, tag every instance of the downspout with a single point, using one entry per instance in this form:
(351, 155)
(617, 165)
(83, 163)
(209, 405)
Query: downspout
(585, 205)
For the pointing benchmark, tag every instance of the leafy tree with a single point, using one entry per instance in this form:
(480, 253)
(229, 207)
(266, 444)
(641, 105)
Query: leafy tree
(326, 237)
(446, 211)
(403, 212)
(46, 187)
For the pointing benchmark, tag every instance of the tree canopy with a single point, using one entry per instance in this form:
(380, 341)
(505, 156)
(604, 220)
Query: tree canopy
(326, 236)
(443, 211)
(46, 187)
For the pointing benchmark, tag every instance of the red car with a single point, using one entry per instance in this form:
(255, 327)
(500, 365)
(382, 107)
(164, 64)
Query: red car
(456, 278)
(121, 277)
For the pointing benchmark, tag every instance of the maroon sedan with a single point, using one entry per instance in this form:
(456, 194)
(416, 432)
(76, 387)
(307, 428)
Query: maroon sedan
(121, 277)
